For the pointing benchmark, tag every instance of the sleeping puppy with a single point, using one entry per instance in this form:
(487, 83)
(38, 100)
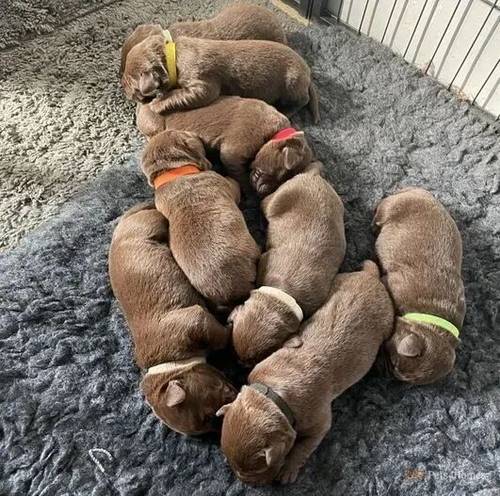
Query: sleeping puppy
(420, 252)
(305, 247)
(208, 235)
(171, 328)
(193, 72)
(276, 151)
(235, 22)
(281, 417)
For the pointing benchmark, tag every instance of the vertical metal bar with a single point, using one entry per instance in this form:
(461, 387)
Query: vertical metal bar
(479, 53)
(375, 7)
(472, 44)
(486, 80)
(398, 22)
(349, 12)
(442, 36)
(491, 94)
(389, 20)
(340, 9)
(424, 31)
(415, 28)
(453, 38)
(363, 16)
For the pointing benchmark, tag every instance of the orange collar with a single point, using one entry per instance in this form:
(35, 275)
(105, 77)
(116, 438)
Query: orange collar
(172, 174)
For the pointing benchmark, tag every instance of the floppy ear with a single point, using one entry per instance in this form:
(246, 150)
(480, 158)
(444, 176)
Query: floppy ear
(175, 395)
(291, 157)
(410, 346)
(274, 453)
(147, 83)
(194, 144)
(223, 410)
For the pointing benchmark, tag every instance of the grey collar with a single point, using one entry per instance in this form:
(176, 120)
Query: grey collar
(276, 399)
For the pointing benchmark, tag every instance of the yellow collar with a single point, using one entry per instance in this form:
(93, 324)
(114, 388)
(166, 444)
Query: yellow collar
(170, 57)
(427, 318)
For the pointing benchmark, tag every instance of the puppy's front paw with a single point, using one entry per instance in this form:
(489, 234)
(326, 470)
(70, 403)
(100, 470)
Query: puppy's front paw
(157, 106)
(288, 473)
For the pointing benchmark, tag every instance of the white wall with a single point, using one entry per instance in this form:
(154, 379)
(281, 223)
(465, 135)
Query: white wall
(465, 25)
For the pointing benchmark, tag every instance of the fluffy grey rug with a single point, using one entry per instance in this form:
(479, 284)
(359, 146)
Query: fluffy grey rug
(63, 116)
(68, 386)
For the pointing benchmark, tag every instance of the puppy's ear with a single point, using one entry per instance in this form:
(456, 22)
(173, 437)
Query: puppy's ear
(223, 410)
(147, 83)
(235, 189)
(410, 346)
(274, 453)
(291, 157)
(195, 146)
(175, 395)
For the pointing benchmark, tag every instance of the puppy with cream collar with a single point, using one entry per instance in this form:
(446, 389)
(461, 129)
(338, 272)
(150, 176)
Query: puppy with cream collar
(281, 417)
(244, 131)
(419, 248)
(171, 327)
(304, 250)
(208, 235)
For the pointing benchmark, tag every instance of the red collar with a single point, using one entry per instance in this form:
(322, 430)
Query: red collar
(284, 134)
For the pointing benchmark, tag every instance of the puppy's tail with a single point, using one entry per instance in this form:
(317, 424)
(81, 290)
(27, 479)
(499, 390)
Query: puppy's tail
(371, 268)
(313, 104)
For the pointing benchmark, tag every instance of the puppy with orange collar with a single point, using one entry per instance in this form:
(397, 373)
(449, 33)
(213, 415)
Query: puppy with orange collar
(171, 327)
(209, 238)
(245, 131)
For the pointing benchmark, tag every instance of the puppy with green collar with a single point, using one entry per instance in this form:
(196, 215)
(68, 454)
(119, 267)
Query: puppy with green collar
(304, 250)
(419, 249)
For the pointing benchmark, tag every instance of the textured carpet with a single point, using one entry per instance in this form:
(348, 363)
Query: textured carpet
(63, 115)
(67, 381)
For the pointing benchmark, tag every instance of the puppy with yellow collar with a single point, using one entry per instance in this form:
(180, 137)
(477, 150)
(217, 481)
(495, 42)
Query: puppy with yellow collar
(305, 248)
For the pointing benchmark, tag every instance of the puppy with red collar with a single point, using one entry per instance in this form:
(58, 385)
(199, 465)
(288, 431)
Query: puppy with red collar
(246, 132)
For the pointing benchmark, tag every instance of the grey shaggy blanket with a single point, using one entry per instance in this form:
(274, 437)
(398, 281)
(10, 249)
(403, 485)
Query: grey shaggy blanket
(72, 420)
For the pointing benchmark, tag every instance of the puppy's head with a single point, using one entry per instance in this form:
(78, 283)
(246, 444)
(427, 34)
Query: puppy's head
(170, 149)
(139, 34)
(260, 326)
(256, 437)
(419, 353)
(188, 401)
(145, 76)
(279, 160)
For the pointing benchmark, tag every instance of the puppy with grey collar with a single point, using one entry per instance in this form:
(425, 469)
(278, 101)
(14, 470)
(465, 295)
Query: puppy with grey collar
(281, 417)
(234, 22)
(171, 327)
(305, 248)
(193, 73)
(244, 131)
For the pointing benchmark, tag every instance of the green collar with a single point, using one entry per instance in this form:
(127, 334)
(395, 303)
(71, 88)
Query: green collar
(427, 318)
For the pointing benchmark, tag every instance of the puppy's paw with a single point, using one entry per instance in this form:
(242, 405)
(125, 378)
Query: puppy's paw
(288, 473)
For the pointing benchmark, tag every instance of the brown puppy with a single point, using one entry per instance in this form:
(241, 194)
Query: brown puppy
(171, 328)
(235, 22)
(205, 69)
(278, 151)
(208, 235)
(305, 247)
(276, 422)
(420, 252)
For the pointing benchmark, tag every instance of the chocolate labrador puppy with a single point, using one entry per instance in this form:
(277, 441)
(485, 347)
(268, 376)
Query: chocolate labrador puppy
(305, 248)
(194, 72)
(276, 151)
(234, 22)
(208, 235)
(281, 417)
(171, 328)
(420, 252)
